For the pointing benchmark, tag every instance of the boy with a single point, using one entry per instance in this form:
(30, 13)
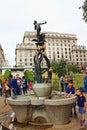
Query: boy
(81, 101)
(71, 90)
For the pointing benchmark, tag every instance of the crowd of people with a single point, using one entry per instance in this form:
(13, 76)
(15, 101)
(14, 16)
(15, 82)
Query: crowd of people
(15, 85)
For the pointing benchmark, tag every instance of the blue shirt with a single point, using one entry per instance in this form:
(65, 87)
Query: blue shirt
(70, 89)
(85, 80)
(81, 100)
(14, 83)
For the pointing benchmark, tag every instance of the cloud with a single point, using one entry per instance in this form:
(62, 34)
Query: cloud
(17, 16)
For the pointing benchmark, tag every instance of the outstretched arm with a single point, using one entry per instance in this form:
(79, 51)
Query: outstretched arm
(42, 23)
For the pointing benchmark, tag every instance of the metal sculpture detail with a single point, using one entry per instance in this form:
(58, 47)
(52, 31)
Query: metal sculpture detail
(40, 53)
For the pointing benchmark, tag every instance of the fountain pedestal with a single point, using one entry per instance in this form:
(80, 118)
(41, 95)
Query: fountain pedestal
(42, 89)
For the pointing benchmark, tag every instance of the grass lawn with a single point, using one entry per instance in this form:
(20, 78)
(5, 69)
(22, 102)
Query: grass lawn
(77, 81)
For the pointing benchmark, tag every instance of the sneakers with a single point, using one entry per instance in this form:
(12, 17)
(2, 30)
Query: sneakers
(82, 122)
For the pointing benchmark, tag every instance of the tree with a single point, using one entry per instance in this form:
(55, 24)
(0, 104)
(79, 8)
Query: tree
(59, 67)
(84, 8)
(73, 68)
(7, 73)
(29, 75)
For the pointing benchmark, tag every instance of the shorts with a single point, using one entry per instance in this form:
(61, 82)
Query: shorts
(81, 110)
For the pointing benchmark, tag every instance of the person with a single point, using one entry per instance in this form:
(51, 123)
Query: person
(62, 83)
(70, 78)
(18, 85)
(14, 85)
(30, 85)
(81, 102)
(71, 90)
(0, 88)
(66, 82)
(24, 84)
(85, 82)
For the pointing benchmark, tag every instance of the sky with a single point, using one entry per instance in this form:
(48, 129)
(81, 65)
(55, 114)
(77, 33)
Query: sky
(17, 16)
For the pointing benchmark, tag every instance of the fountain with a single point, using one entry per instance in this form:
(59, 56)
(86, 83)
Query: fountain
(44, 106)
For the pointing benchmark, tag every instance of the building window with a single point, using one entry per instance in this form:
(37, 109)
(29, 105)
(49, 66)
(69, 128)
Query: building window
(26, 59)
(30, 55)
(30, 59)
(50, 56)
(25, 64)
(58, 56)
(31, 64)
(65, 52)
(20, 59)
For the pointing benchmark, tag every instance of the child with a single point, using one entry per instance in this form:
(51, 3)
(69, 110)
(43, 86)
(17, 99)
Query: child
(71, 90)
(81, 101)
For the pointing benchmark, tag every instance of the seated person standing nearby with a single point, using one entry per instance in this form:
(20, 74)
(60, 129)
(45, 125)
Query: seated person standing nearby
(71, 90)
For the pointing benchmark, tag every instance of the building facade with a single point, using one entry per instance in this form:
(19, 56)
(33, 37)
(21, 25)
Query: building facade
(58, 46)
(2, 57)
(79, 55)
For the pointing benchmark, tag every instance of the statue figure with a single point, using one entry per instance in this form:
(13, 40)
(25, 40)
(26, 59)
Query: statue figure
(37, 27)
(39, 54)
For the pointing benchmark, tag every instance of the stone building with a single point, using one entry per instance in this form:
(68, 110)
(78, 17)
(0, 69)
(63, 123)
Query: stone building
(2, 57)
(58, 46)
(79, 55)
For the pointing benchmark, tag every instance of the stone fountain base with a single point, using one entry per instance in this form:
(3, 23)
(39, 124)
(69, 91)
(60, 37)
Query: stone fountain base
(40, 110)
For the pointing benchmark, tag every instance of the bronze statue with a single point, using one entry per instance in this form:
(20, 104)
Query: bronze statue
(39, 54)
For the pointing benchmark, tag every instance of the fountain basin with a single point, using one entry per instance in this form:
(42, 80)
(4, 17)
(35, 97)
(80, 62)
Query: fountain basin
(41, 110)
(60, 109)
(20, 106)
(42, 89)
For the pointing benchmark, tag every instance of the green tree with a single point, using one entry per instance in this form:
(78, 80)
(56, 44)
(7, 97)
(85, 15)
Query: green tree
(29, 75)
(73, 68)
(84, 8)
(7, 73)
(59, 67)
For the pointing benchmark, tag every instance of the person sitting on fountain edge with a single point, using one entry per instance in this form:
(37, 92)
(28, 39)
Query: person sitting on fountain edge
(71, 90)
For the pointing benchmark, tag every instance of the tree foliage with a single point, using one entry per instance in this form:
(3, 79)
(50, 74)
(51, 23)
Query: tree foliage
(7, 73)
(29, 75)
(59, 67)
(73, 68)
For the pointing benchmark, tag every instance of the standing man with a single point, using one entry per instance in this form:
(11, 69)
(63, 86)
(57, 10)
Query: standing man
(62, 83)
